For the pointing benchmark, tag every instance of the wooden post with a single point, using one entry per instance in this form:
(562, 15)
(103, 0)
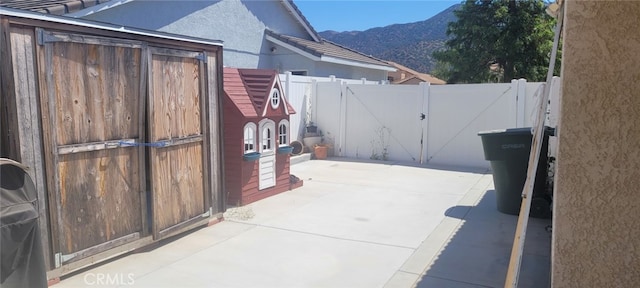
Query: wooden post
(215, 90)
(513, 271)
(521, 101)
(9, 145)
(142, 163)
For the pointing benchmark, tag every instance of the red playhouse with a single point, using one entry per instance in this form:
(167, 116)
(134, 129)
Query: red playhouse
(256, 136)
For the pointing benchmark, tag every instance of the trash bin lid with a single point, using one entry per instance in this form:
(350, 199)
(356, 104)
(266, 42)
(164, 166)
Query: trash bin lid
(509, 131)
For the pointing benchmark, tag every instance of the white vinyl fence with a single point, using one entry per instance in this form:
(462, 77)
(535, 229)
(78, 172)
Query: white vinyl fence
(435, 124)
(299, 91)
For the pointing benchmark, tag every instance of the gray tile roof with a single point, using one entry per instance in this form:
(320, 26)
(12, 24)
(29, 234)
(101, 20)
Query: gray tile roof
(327, 48)
(56, 7)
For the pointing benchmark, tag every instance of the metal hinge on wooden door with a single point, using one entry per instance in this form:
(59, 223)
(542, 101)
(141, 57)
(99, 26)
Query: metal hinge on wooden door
(202, 57)
(46, 37)
(208, 213)
(61, 258)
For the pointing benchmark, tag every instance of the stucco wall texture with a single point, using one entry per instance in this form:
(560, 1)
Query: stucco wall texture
(596, 231)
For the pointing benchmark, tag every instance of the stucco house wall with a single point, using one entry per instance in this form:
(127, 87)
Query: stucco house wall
(240, 24)
(285, 60)
(596, 228)
(349, 72)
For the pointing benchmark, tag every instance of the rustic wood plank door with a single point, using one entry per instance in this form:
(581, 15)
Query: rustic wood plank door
(93, 121)
(178, 148)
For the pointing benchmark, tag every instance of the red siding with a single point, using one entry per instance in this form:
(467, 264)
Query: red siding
(250, 192)
(233, 150)
(241, 177)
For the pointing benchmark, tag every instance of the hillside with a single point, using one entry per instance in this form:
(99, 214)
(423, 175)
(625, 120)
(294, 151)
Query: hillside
(408, 44)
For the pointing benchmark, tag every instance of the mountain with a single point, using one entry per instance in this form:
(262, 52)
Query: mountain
(408, 44)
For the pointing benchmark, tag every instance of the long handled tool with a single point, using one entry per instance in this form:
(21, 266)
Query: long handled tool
(527, 194)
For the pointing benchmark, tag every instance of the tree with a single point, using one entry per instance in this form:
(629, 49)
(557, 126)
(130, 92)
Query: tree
(496, 41)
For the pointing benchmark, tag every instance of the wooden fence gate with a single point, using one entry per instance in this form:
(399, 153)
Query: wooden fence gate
(92, 116)
(176, 122)
(93, 100)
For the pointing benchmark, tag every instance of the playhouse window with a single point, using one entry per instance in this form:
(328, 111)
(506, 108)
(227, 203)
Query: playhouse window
(249, 138)
(267, 134)
(283, 133)
(266, 139)
(275, 98)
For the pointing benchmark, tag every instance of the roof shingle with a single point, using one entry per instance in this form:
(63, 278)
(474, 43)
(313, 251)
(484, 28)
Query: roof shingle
(327, 48)
(249, 89)
(56, 7)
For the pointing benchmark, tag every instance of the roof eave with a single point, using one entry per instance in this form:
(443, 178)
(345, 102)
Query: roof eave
(336, 60)
(292, 48)
(97, 8)
(293, 9)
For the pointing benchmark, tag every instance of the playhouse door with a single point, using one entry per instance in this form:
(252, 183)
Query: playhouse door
(267, 164)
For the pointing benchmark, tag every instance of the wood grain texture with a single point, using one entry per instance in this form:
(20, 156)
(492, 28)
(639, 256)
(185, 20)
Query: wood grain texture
(142, 153)
(206, 141)
(93, 97)
(176, 95)
(64, 69)
(96, 92)
(44, 56)
(9, 143)
(214, 124)
(28, 112)
(178, 187)
(177, 173)
(99, 197)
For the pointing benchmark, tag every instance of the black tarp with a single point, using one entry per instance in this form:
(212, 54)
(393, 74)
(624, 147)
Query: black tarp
(20, 247)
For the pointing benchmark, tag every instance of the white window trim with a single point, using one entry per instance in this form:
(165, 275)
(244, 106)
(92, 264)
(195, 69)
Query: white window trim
(244, 139)
(261, 125)
(284, 122)
(283, 99)
(275, 90)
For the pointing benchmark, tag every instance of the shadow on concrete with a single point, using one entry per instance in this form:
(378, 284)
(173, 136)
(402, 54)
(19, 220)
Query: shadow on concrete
(478, 251)
(475, 170)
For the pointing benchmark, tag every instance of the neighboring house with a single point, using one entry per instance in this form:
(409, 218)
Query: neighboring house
(257, 34)
(406, 75)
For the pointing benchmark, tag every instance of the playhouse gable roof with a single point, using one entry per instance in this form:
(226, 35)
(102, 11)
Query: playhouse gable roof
(258, 84)
(249, 90)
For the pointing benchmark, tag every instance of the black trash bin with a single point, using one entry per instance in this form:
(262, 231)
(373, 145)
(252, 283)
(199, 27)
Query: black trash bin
(508, 151)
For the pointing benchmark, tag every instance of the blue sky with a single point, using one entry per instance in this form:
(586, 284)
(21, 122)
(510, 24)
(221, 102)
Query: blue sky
(364, 14)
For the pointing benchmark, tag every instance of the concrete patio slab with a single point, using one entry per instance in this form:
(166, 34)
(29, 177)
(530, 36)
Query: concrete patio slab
(267, 257)
(352, 224)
